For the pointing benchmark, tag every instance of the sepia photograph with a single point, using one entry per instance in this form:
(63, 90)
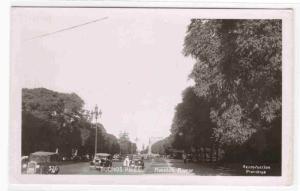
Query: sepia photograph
(150, 92)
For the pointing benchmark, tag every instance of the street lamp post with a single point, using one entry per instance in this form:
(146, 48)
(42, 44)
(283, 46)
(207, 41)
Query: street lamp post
(96, 113)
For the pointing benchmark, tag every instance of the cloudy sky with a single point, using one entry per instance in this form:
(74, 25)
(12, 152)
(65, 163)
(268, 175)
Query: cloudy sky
(129, 64)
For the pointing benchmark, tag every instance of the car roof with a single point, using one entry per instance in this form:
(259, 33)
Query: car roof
(102, 154)
(43, 153)
(137, 157)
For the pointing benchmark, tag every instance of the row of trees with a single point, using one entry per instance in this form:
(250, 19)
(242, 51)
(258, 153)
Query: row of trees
(126, 146)
(162, 147)
(235, 103)
(54, 121)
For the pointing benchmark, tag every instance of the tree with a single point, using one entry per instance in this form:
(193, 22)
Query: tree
(110, 144)
(52, 120)
(192, 127)
(162, 146)
(60, 110)
(126, 146)
(238, 68)
(51, 105)
(37, 134)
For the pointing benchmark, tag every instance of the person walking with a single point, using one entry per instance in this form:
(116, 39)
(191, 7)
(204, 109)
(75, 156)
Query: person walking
(126, 162)
(184, 157)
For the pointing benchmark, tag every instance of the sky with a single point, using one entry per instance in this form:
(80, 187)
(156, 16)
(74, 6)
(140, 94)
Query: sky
(130, 64)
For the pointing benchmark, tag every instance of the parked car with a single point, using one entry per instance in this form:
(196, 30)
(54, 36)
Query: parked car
(24, 163)
(85, 158)
(42, 163)
(101, 160)
(117, 157)
(137, 162)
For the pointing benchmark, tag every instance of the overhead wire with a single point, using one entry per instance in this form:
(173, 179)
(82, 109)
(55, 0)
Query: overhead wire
(66, 29)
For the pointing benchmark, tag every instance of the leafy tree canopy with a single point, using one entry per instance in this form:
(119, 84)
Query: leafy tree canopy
(238, 67)
(46, 103)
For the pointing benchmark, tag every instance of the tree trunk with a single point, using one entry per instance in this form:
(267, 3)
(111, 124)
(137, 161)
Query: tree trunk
(204, 153)
(197, 154)
(217, 152)
(200, 154)
(217, 147)
(211, 152)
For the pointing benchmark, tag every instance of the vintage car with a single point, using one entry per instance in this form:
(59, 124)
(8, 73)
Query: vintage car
(41, 163)
(101, 160)
(117, 157)
(24, 163)
(137, 162)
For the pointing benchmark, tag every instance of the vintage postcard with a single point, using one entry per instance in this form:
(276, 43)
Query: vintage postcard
(151, 96)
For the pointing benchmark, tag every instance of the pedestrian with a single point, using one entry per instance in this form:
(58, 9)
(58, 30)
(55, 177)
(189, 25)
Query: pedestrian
(184, 157)
(126, 162)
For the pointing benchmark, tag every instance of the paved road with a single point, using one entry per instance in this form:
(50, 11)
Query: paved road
(154, 166)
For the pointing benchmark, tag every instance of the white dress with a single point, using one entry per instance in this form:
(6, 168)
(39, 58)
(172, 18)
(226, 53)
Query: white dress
(126, 162)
